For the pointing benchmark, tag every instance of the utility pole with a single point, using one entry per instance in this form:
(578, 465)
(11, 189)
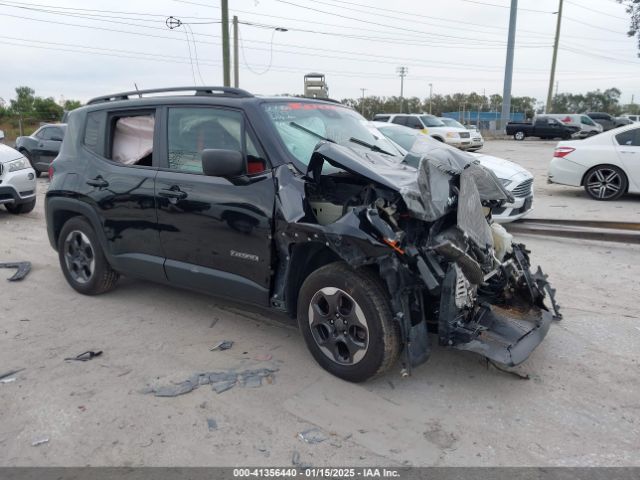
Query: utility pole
(236, 59)
(226, 68)
(362, 102)
(508, 68)
(430, 97)
(548, 106)
(402, 71)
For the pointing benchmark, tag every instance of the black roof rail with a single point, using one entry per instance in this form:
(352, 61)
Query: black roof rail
(217, 91)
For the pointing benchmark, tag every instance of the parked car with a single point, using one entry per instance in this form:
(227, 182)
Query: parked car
(607, 121)
(633, 118)
(544, 128)
(607, 165)
(583, 123)
(42, 146)
(17, 181)
(1, 136)
(358, 244)
(517, 180)
(476, 137)
(431, 125)
(621, 121)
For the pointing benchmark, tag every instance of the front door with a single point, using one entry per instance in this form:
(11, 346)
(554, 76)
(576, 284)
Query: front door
(48, 146)
(220, 236)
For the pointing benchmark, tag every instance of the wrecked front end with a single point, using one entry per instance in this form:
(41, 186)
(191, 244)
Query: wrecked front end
(425, 225)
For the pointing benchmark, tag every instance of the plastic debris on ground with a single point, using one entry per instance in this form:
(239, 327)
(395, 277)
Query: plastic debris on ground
(223, 345)
(219, 381)
(85, 356)
(312, 436)
(40, 441)
(23, 268)
(10, 373)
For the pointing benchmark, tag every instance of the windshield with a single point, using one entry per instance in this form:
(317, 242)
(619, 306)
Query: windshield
(431, 121)
(405, 137)
(301, 125)
(450, 122)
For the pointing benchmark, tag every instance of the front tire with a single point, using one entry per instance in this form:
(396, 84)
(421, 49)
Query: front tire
(519, 135)
(27, 155)
(346, 321)
(605, 182)
(21, 208)
(82, 260)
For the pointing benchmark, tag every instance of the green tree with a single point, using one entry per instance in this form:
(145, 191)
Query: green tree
(71, 105)
(633, 9)
(23, 103)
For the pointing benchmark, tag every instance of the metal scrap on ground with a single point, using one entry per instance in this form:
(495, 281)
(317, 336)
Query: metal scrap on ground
(219, 381)
(23, 269)
(223, 345)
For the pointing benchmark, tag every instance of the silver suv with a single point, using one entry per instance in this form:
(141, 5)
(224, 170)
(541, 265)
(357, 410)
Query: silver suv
(431, 125)
(17, 181)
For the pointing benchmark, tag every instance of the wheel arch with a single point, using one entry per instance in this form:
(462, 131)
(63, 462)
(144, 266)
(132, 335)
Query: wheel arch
(305, 258)
(60, 210)
(626, 176)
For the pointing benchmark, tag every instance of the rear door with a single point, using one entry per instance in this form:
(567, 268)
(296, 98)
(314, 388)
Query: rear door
(215, 232)
(628, 151)
(121, 164)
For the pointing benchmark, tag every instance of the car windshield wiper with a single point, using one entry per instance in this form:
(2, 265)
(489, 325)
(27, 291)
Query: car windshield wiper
(370, 146)
(310, 132)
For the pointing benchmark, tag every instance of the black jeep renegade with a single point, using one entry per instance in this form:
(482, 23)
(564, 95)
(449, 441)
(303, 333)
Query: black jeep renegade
(301, 206)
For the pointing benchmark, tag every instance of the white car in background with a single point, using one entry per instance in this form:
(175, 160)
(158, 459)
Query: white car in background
(458, 137)
(606, 165)
(515, 178)
(476, 137)
(17, 181)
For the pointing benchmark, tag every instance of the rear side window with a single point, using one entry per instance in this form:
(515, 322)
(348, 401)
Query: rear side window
(381, 118)
(399, 119)
(630, 138)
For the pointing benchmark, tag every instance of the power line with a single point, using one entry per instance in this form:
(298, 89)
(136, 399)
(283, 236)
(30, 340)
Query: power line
(504, 6)
(599, 12)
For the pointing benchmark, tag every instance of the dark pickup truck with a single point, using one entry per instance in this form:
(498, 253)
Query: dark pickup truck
(545, 128)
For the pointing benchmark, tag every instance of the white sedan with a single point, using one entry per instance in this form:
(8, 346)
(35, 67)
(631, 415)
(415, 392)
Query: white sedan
(514, 178)
(606, 165)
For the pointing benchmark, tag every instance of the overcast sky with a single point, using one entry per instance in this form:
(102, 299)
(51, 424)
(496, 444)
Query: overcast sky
(80, 49)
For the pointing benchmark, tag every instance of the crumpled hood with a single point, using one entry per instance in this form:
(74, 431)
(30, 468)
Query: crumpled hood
(423, 177)
(8, 154)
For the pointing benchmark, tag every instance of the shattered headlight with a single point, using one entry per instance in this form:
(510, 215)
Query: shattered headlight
(19, 164)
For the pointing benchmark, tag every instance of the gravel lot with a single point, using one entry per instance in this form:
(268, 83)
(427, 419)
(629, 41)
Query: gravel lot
(581, 406)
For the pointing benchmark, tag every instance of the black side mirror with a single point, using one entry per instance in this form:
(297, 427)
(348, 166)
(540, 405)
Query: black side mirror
(222, 163)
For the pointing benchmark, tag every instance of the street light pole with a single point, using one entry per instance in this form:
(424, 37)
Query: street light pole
(430, 96)
(226, 67)
(548, 106)
(362, 102)
(508, 69)
(402, 71)
(236, 60)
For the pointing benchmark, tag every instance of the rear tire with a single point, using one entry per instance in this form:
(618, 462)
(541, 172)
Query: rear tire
(82, 260)
(519, 135)
(605, 182)
(346, 321)
(21, 208)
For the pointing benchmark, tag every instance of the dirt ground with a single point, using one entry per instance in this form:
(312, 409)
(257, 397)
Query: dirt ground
(580, 407)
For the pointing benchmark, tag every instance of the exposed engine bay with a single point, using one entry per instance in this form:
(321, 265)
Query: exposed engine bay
(424, 222)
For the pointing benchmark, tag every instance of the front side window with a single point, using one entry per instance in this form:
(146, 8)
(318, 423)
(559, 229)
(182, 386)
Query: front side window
(414, 122)
(302, 125)
(630, 138)
(431, 121)
(587, 121)
(192, 130)
(41, 133)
